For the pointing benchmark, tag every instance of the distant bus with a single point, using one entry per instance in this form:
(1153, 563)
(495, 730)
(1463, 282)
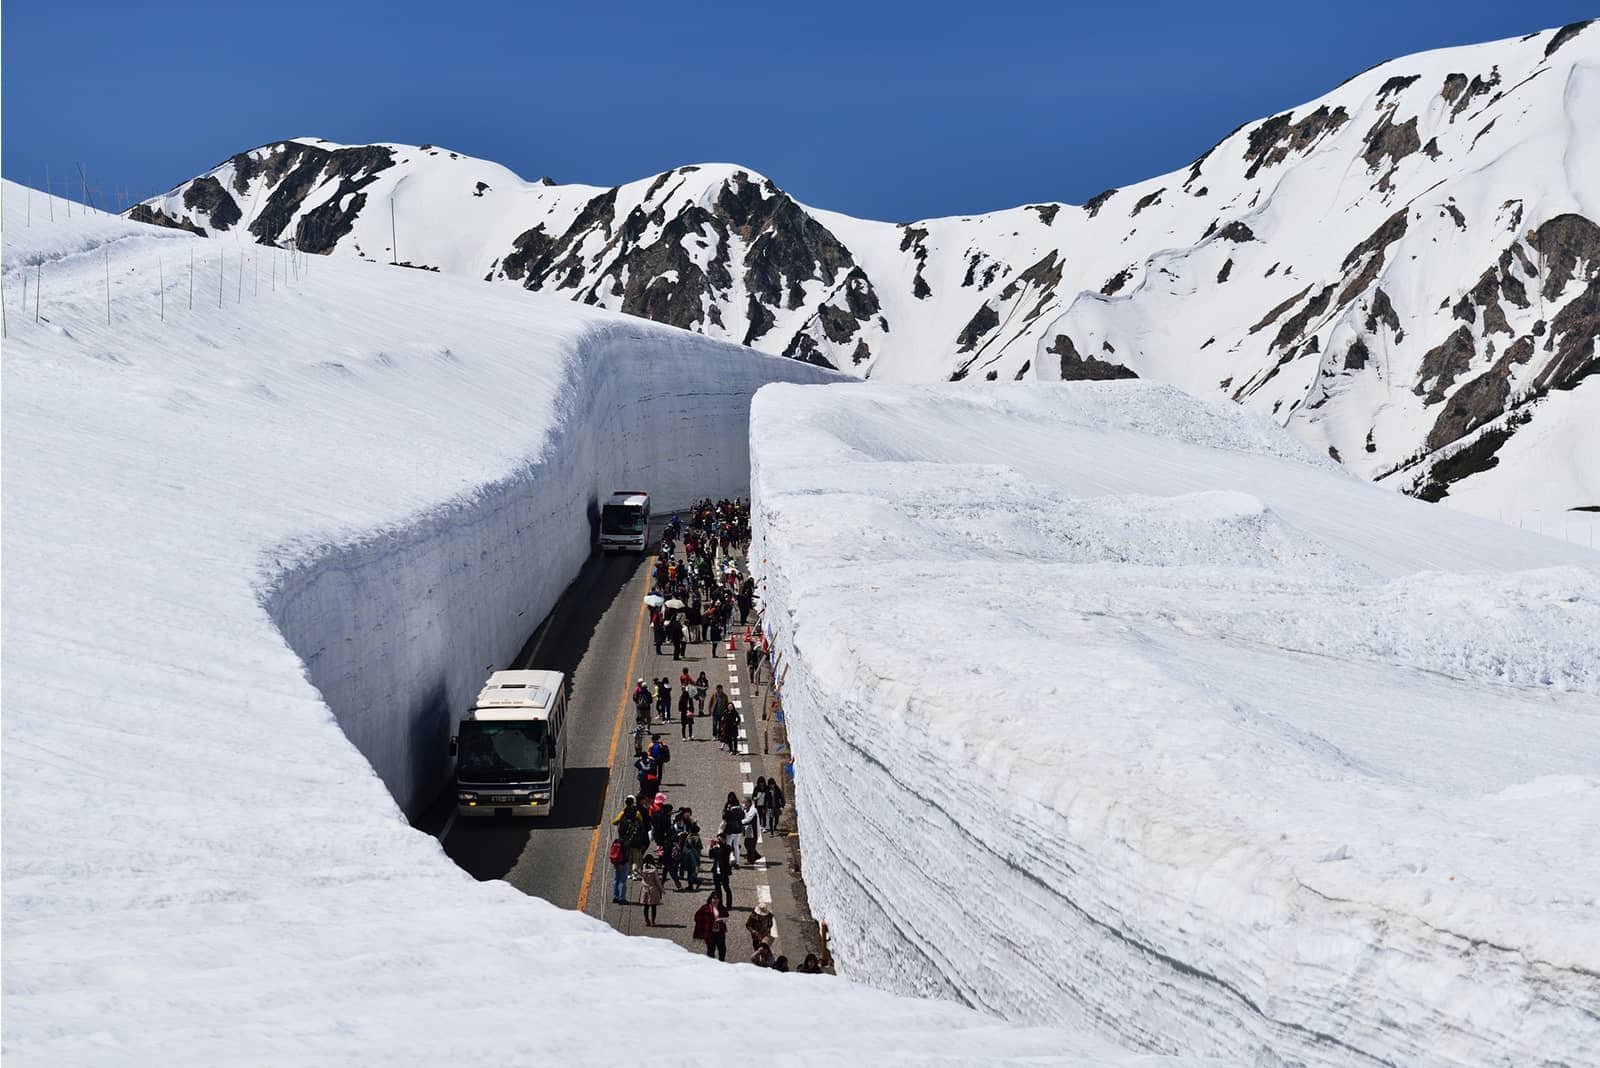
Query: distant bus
(511, 749)
(625, 521)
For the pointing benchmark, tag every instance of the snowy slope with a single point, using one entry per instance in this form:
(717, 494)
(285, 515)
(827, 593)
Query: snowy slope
(241, 539)
(1117, 709)
(1400, 271)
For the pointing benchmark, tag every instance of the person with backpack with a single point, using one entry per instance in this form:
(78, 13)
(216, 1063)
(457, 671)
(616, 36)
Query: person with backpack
(759, 796)
(628, 822)
(711, 927)
(642, 700)
(732, 824)
(619, 871)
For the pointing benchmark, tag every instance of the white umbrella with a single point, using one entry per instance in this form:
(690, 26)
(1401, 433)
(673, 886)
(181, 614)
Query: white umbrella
(653, 600)
(675, 604)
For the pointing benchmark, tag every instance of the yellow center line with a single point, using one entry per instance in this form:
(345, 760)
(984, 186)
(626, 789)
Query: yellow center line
(611, 760)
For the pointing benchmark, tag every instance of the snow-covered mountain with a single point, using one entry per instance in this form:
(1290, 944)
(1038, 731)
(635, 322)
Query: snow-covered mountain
(1401, 271)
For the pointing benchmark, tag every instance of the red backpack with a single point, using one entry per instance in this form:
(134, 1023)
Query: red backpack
(616, 852)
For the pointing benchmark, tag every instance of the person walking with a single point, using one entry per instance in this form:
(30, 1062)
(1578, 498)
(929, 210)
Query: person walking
(759, 796)
(775, 803)
(663, 699)
(686, 719)
(686, 702)
(691, 859)
(719, 710)
(619, 871)
(760, 925)
(675, 634)
(751, 824)
(650, 891)
(730, 730)
(752, 662)
(722, 872)
(711, 927)
(702, 686)
(747, 599)
(732, 823)
(658, 630)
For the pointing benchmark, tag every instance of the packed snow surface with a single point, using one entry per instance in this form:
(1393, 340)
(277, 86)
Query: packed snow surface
(1116, 709)
(394, 468)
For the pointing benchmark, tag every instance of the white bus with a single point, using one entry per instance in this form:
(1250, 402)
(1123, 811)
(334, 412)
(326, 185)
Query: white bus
(511, 749)
(625, 521)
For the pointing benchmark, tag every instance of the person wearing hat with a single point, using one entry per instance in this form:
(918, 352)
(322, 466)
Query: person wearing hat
(760, 925)
(762, 957)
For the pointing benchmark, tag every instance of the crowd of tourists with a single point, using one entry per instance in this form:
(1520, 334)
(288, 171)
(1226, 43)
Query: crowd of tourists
(697, 587)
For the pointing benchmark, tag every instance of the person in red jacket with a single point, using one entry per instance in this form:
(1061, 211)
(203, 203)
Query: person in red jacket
(711, 927)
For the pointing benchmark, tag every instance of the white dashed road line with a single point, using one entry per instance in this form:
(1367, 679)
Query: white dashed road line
(744, 768)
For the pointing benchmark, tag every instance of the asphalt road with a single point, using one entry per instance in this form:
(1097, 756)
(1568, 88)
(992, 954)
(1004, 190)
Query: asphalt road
(599, 636)
(589, 636)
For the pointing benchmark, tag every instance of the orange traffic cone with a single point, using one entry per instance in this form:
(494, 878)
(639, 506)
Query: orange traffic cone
(732, 642)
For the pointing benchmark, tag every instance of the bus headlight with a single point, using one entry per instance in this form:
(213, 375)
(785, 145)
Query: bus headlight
(467, 799)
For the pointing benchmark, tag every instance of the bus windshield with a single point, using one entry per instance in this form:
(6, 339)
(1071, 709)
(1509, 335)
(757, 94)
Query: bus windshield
(502, 752)
(622, 519)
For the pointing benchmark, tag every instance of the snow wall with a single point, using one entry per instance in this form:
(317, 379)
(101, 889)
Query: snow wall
(199, 867)
(1117, 711)
(397, 631)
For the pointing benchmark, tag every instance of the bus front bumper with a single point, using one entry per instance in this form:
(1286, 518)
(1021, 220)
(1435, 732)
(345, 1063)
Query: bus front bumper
(491, 805)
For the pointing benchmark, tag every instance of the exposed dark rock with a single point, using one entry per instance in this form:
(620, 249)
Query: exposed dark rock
(919, 286)
(1565, 34)
(1271, 142)
(1377, 244)
(1455, 213)
(1392, 142)
(1292, 328)
(1333, 453)
(1096, 202)
(1573, 331)
(1115, 283)
(1272, 316)
(1106, 346)
(1382, 311)
(1463, 310)
(1444, 363)
(1480, 134)
(1047, 212)
(1043, 276)
(1431, 149)
(1076, 368)
(1222, 275)
(479, 188)
(1237, 232)
(1481, 399)
(1567, 245)
(991, 376)
(912, 236)
(1462, 92)
(980, 324)
(206, 194)
(1355, 357)
(1147, 201)
(1372, 445)
(760, 319)
(1396, 84)
(303, 168)
(530, 246)
(862, 353)
(838, 325)
(546, 180)
(143, 213)
(1022, 371)
(1474, 459)
(805, 348)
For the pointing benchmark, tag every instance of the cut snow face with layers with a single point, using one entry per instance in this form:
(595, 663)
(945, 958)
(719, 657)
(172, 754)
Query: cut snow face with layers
(1403, 271)
(1115, 709)
(326, 506)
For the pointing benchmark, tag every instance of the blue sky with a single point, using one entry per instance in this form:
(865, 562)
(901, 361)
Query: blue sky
(891, 111)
